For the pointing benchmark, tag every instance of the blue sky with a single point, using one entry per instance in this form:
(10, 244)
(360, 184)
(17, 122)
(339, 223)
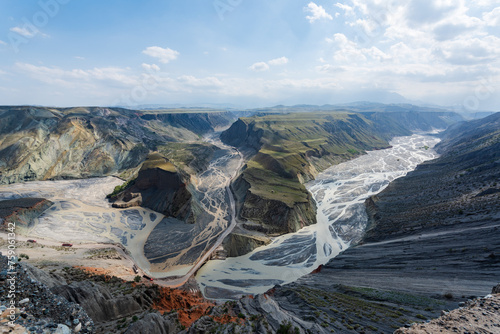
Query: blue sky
(250, 52)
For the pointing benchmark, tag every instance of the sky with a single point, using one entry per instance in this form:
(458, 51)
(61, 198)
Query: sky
(250, 53)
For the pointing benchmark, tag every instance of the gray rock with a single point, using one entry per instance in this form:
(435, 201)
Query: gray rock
(62, 329)
(154, 323)
(98, 301)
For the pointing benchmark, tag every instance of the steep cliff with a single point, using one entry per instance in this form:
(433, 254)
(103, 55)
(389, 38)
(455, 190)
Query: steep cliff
(158, 186)
(22, 212)
(239, 243)
(98, 301)
(196, 122)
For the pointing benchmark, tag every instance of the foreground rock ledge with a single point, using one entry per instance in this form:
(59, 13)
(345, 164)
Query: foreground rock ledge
(481, 315)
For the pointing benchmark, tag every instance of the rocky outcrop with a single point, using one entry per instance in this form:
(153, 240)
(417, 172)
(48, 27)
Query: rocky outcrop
(22, 212)
(158, 186)
(49, 279)
(261, 217)
(474, 316)
(42, 144)
(99, 303)
(243, 134)
(197, 122)
(154, 323)
(38, 308)
(277, 217)
(237, 244)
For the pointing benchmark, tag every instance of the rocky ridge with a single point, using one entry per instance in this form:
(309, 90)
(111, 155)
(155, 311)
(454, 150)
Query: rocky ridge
(39, 143)
(22, 212)
(478, 315)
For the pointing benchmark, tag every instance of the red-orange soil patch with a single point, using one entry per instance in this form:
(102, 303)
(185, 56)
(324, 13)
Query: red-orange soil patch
(93, 271)
(189, 306)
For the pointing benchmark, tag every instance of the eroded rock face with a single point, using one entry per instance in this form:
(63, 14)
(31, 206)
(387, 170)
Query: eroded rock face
(99, 303)
(159, 187)
(154, 323)
(240, 244)
(22, 211)
(277, 217)
(38, 143)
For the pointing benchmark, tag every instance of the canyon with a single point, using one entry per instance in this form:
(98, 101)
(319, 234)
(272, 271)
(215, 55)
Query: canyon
(267, 184)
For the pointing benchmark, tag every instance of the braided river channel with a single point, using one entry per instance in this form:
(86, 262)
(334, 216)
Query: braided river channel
(340, 192)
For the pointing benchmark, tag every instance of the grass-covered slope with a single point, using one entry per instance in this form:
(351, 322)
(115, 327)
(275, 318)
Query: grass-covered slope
(286, 150)
(293, 147)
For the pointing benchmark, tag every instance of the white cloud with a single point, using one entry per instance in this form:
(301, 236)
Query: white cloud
(348, 51)
(259, 67)
(492, 18)
(347, 9)
(264, 66)
(57, 75)
(164, 55)
(278, 61)
(23, 32)
(328, 68)
(150, 67)
(431, 11)
(317, 12)
(79, 58)
(28, 33)
(471, 51)
(208, 82)
(2, 43)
